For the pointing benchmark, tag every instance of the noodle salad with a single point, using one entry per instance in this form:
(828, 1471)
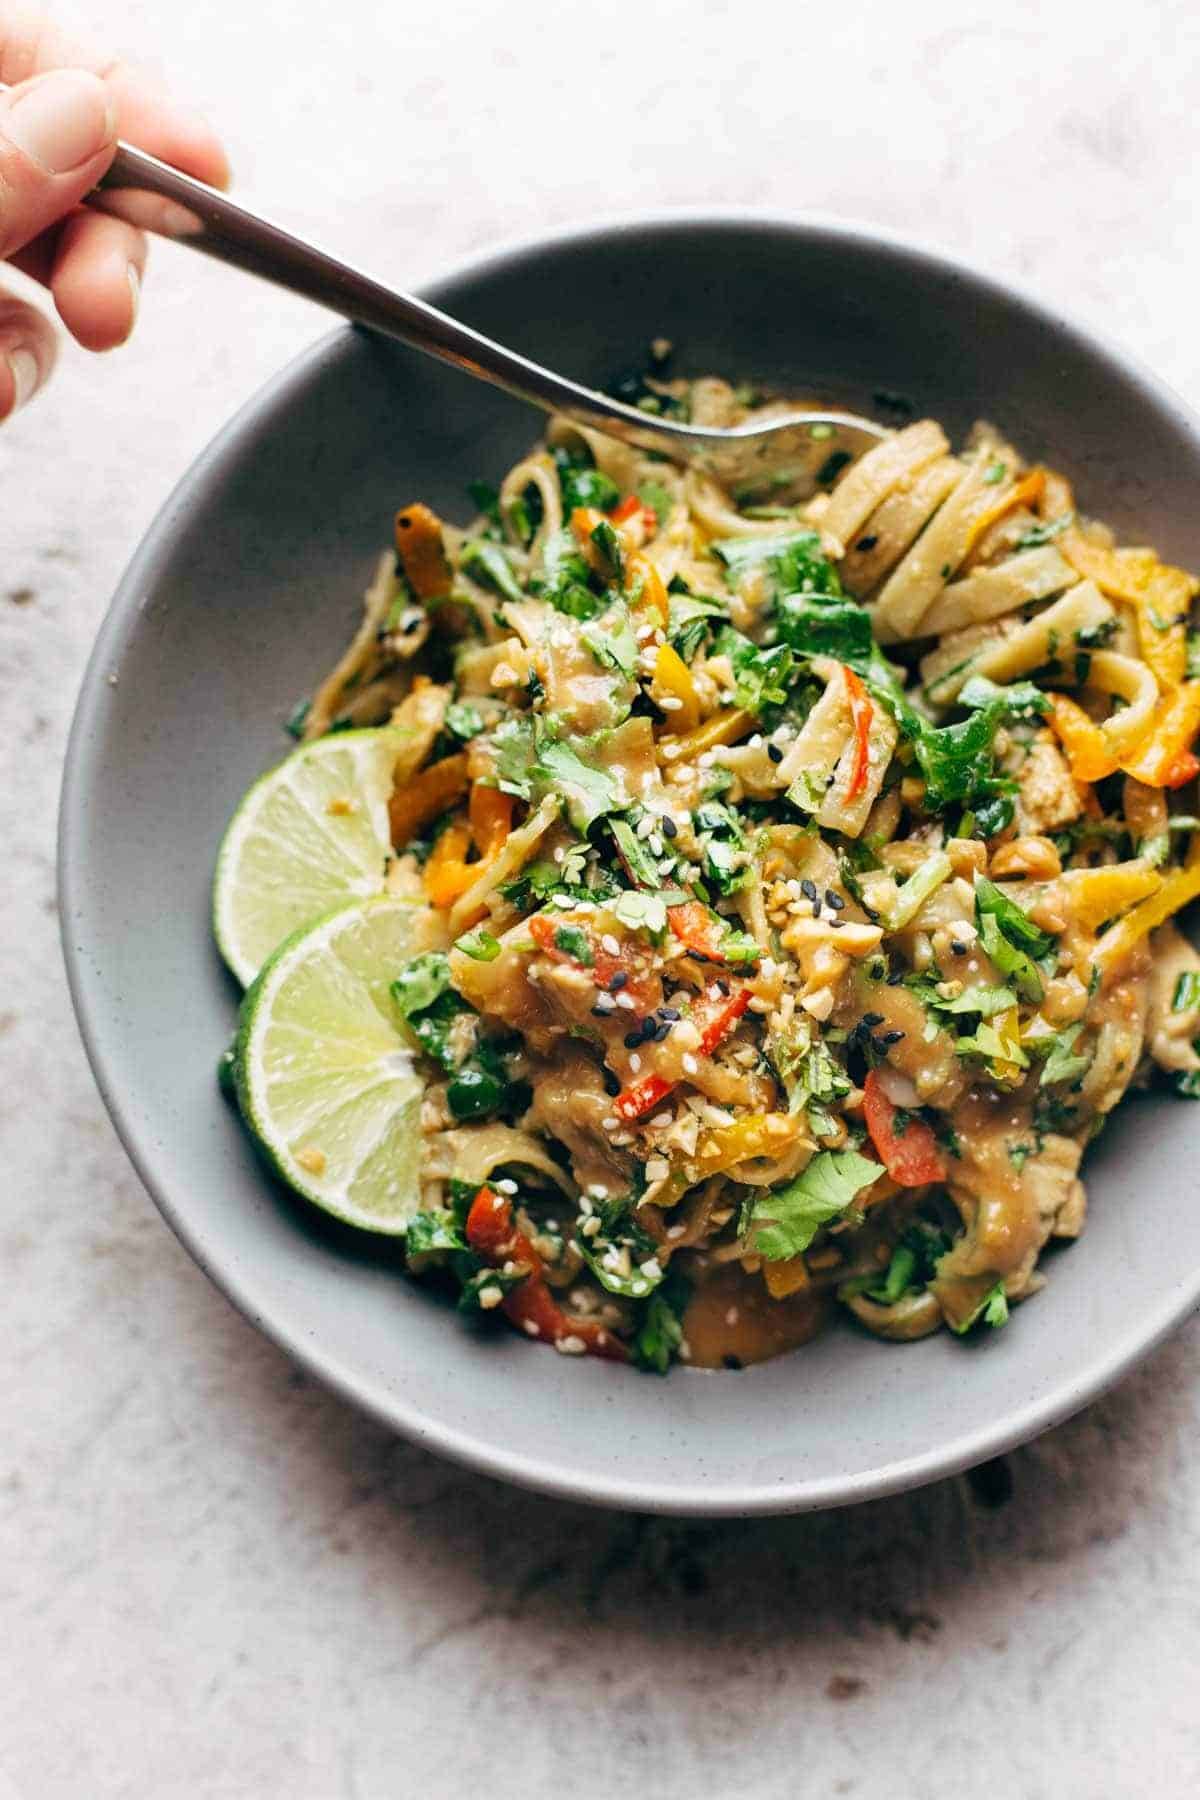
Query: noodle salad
(756, 905)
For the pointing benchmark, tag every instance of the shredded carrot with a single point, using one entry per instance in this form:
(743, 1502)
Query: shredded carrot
(425, 796)
(1026, 492)
(447, 874)
(422, 553)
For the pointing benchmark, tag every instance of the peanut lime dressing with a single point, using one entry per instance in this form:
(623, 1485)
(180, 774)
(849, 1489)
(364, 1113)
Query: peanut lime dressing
(731, 1321)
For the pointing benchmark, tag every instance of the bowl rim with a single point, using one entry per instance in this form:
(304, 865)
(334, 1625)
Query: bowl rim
(989, 1439)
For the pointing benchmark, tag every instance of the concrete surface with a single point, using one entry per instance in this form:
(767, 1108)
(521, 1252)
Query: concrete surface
(219, 1582)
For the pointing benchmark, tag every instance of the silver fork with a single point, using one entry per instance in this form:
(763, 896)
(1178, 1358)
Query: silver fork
(151, 194)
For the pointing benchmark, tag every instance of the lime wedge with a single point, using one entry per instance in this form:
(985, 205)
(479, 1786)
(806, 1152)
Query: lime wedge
(325, 1080)
(308, 836)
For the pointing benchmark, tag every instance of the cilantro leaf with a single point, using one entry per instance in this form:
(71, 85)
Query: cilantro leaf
(992, 1310)
(784, 1221)
(582, 484)
(1021, 970)
(1064, 1063)
(760, 676)
(611, 641)
(429, 1005)
(589, 792)
(660, 1328)
(430, 1231)
(463, 720)
(690, 622)
(565, 578)
(639, 866)
(487, 564)
(1013, 921)
(793, 563)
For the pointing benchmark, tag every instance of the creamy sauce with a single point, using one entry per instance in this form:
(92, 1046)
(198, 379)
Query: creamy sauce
(732, 1321)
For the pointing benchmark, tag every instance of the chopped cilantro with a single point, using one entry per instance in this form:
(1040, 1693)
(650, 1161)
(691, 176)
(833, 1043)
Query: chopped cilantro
(782, 1222)
(479, 944)
(488, 564)
(660, 1328)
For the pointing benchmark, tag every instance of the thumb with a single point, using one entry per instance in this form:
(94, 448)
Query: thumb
(57, 136)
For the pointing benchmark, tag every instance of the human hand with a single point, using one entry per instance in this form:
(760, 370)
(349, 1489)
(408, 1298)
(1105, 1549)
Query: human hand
(68, 103)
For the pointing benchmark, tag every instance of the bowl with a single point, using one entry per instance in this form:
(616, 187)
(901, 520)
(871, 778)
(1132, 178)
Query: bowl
(245, 588)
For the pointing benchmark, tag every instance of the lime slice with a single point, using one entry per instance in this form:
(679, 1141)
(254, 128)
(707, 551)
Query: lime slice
(325, 1080)
(309, 835)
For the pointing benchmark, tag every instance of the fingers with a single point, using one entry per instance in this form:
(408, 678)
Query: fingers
(96, 279)
(146, 115)
(57, 135)
(27, 351)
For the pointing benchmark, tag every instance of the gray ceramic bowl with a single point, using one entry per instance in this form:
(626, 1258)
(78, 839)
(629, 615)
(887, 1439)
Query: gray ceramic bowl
(247, 584)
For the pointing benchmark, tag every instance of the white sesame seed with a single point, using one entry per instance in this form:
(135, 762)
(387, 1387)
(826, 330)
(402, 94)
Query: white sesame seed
(489, 1297)
(656, 844)
(560, 854)
(610, 1123)
(590, 1227)
(690, 1065)
(570, 1346)
(662, 1119)
(605, 1003)
(635, 1062)
(626, 1002)
(675, 1231)
(506, 1187)
(651, 1269)
(732, 1316)
(504, 675)
(645, 825)
(706, 759)
(611, 944)
(531, 1328)
(759, 1005)
(755, 742)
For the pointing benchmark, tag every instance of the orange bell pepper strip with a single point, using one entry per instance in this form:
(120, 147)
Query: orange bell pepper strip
(447, 874)
(648, 594)
(1026, 492)
(640, 982)
(1087, 748)
(422, 552)
(697, 929)
(530, 1306)
(1160, 596)
(420, 800)
(911, 1156)
(861, 714)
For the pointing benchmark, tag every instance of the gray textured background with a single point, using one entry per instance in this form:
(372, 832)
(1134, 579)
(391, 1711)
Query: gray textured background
(216, 1580)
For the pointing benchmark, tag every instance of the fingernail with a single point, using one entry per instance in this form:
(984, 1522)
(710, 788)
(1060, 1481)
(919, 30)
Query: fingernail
(60, 120)
(23, 367)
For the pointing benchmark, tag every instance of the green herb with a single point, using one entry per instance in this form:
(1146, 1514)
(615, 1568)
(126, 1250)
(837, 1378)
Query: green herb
(485, 1282)
(488, 564)
(621, 1239)
(655, 496)
(647, 912)
(984, 1001)
(583, 485)
(612, 557)
(691, 619)
(428, 1232)
(995, 473)
(809, 1074)
(992, 1310)
(573, 941)
(612, 642)
(297, 719)
(1020, 969)
(564, 581)
(588, 791)
(479, 944)
(463, 720)
(1062, 1063)
(486, 499)
(792, 564)
(760, 677)
(474, 1092)
(1187, 991)
(660, 1328)
(429, 1005)
(634, 854)
(784, 1221)
(1187, 1083)
(1012, 919)
(913, 1263)
(1037, 535)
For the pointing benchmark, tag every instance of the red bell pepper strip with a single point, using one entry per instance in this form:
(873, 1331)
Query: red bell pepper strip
(636, 1101)
(629, 509)
(544, 929)
(696, 929)
(530, 1306)
(861, 714)
(911, 1156)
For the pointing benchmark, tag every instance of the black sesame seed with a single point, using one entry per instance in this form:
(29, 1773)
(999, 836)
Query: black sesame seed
(670, 828)
(958, 949)
(775, 753)
(668, 1012)
(834, 900)
(872, 1019)
(617, 982)
(632, 1039)
(662, 1031)
(808, 889)
(834, 924)
(602, 1012)
(649, 1027)
(866, 543)
(895, 978)
(724, 987)
(891, 1037)
(611, 1084)
(731, 1362)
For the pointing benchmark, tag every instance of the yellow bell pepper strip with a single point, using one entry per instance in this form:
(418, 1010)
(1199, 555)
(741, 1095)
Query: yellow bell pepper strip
(722, 728)
(422, 552)
(1166, 758)
(1161, 598)
(673, 681)
(1178, 889)
(447, 874)
(1095, 895)
(1026, 492)
(758, 1134)
(425, 796)
(647, 593)
(491, 815)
